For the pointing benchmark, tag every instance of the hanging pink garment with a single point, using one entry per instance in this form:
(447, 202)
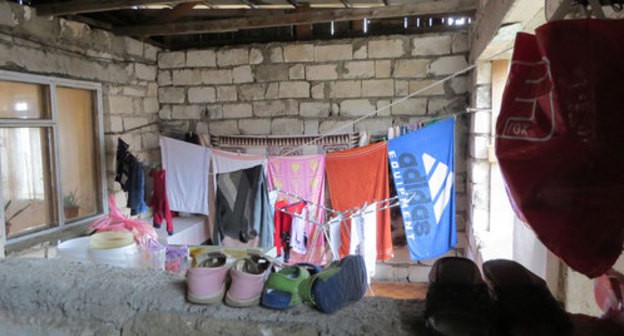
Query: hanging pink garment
(559, 139)
(303, 176)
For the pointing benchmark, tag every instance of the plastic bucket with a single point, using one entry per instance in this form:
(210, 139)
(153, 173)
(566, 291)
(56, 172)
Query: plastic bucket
(113, 248)
(75, 249)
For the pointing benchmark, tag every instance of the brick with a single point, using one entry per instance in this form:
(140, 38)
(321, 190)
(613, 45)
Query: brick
(383, 69)
(356, 108)
(150, 105)
(378, 88)
(272, 91)
(271, 72)
(385, 49)
(327, 126)
(345, 89)
(287, 126)
(167, 60)
(132, 46)
(223, 127)
(229, 57)
(484, 73)
(416, 85)
(114, 123)
(255, 56)
(310, 127)
(410, 68)
(226, 93)
(440, 105)
(374, 126)
(120, 105)
(133, 91)
(480, 122)
(214, 111)
(216, 76)
(231, 111)
(242, 74)
(272, 108)
(427, 45)
(362, 69)
(201, 95)
(164, 78)
(248, 92)
(145, 72)
(448, 65)
(152, 90)
(333, 52)
(299, 53)
(318, 91)
(459, 85)
(150, 52)
(361, 52)
(171, 95)
(133, 122)
(460, 43)
(186, 112)
(383, 109)
(412, 106)
(165, 112)
(294, 90)
(314, 109)
(255, 126)
(201, 58)
(401, 88)
(277, 56)
(321, 72)
(187, 77)
(296, 72)
(483, 96)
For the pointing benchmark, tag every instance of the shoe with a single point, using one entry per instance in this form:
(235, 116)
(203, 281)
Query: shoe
(458, 300)
(341, 283)
(248, 276)
(311, 268)
(526, 305)
(281, 290)
(206, 281)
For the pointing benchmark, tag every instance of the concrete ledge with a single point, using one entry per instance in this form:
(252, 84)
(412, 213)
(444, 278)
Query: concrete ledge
(57, 297)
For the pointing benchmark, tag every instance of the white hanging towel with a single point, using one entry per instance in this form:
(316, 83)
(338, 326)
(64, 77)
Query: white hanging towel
(334, 235)
(187, 169)
(364, 237)
(298, 232)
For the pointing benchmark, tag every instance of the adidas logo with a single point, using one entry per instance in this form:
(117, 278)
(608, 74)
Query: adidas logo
(440, 181)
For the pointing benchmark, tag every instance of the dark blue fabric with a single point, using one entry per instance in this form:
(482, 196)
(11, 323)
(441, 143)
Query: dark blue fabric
(345, 286)
(136, 189)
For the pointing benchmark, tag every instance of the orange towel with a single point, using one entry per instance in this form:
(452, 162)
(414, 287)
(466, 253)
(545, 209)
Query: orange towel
(358, 176)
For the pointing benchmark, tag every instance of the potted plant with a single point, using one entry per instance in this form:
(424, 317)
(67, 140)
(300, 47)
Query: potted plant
(70, 205)
(8, 219)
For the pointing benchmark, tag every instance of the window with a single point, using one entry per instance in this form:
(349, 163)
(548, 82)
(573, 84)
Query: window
(51, 147)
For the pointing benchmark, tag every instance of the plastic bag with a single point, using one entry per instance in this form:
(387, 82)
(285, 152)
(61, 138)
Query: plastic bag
(177, 259)
(559, 139)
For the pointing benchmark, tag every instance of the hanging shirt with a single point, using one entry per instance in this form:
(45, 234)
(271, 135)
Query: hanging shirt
(187, 166)
(334, 235)
(283, 226)
(159, 202)
(364, 237)
(298, 236)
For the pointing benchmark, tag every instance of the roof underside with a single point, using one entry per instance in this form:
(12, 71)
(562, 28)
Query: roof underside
(183, 24)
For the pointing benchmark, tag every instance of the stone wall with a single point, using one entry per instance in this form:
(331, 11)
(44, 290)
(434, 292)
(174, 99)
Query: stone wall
(125, 67)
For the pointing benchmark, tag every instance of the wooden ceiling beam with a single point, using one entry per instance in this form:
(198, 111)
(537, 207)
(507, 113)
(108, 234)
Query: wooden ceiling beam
(174, 14)
(230, 25)
(212, 13)
(92, 6)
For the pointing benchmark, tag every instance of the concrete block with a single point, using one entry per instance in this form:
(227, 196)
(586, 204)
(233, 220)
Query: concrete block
(165, 112)
(478, 146)
(378, 88)
(232, 111)
(255, 56)
(483, 97)
(480, 122)
(254, 126)
(202, 95)
(427, 45)
(135, 91)
(310, 127)
(287, 126)
(345, 89)
(132, 122)
(416, 85)
(171, 95)
(484, 73)
(360, 69)
(164, 78)
(271, 72)
(201, 58)
(340, 126)
(7, 17)
(186, 112)
(383, 69)
(249, 92)
(314, 109)
(401, 88)
(214, 111)
(448, 65)
(271, 108)
(383, 110)
(444, 105)
(272, 91)
(235, 56)
(120, 105)
(186, 77)
(152, 90)
(150, 52)
(299, 53)
(216, 76)
(294, 89)
(318, 91)
(321, 72)
(411, 68)
(360, 52)
(419, 273)
(133, 47)
(223, 127)
(277, 56)
(479, 171)
(150, 141)
(226, 93)
(460, 43)
(296, 72)
(410, 107)
(113, 123)
(356, 107)
(480, 196)
(168, 60)
(145, 72)
(459, 85)
(333, 52)
(389, 48)
(374, 126)
(150, 105)
(242, 74)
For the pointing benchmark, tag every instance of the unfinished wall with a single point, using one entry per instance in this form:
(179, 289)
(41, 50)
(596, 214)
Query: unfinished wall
(125, 67)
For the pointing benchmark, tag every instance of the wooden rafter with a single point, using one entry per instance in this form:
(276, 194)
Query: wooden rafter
(346, 3)
(176, 13)
(230, 25)
(92, 6)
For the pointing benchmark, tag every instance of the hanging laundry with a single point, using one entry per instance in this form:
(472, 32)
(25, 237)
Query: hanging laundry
(358, 176)
(136, 189)
(243, 211)
(364, 237)
(187, 167)
(298, 235)
(123, 164)
(334, 225)
(283, 226)
(422, 164)
(159, 201)
(303, 176)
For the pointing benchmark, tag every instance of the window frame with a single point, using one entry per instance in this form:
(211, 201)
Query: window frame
(100, 163)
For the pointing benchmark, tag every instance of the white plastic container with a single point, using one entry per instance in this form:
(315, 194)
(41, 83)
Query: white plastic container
(114, 248)
(75, 249)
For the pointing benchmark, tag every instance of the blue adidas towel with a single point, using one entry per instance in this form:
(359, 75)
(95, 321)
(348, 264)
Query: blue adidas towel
(422, 166)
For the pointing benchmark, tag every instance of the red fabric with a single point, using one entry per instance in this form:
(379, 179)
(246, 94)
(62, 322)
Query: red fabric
(356, 177)
(159, 201)
(559, 139)
(283, 222)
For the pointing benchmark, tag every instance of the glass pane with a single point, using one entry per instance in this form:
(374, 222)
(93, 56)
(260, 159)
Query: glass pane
(24, 101)
(26, 180)
(78, 155)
